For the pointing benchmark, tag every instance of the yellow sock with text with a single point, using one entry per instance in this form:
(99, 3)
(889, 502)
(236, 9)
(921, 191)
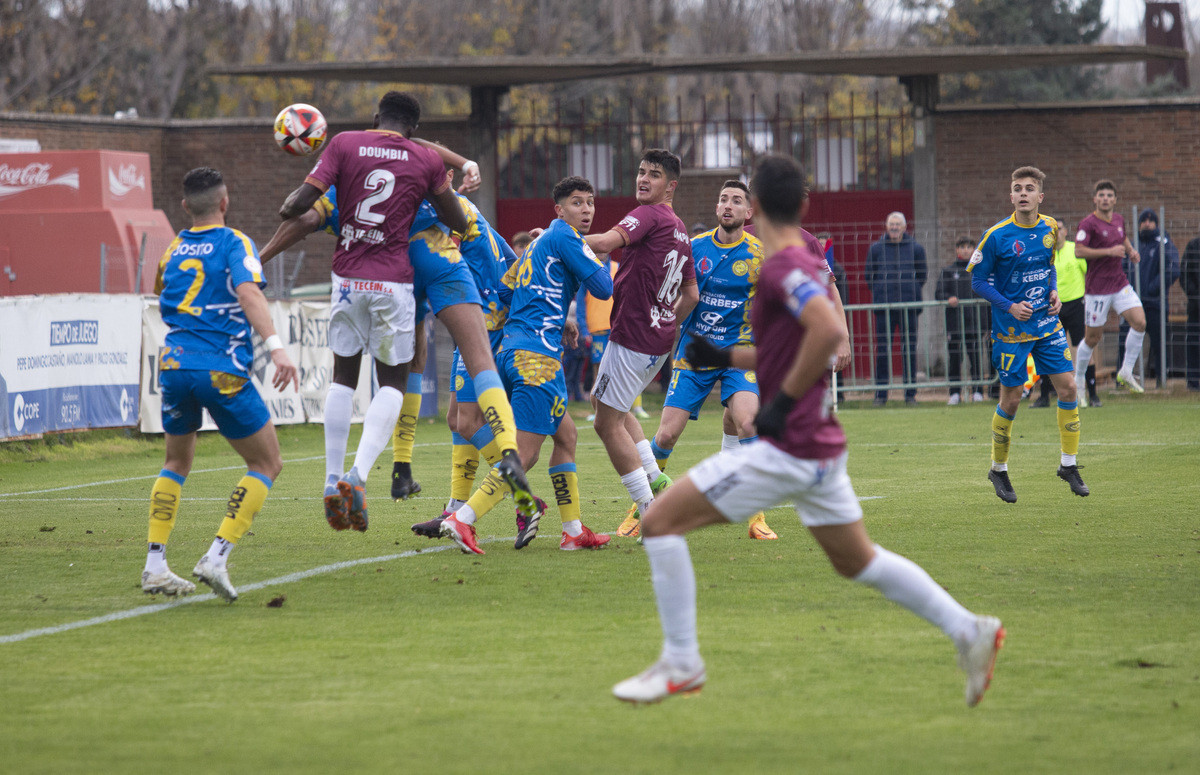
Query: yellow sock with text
(464, 465)
(164, 505)
(245, 502)
(497, 411)
(1001, 436)
(1068, 427)
(565, 481)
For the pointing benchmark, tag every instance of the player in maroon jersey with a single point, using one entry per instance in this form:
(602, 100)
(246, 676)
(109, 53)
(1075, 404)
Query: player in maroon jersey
(800, 457)
(1102, 241)
(655, 287)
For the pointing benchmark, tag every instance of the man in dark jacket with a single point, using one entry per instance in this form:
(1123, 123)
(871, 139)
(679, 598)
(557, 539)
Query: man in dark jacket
(1152, 290)
(896, 271)
(962, 321)
(1189, 278)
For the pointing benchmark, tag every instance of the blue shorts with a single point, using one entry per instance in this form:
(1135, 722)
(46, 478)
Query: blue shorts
(599, 342)
(461, 384)
(1051, 355)
(234, 404)
(689, 387)
(536, 389)
(439, 273)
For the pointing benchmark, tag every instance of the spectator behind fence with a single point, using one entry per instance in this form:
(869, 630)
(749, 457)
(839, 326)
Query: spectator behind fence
(1152, 291)
(962, 322)
(1189, 278)
(896, 271)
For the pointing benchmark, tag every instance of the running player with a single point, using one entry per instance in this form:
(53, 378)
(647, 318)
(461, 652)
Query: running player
(655, 286)
(1015, 261)
(544, 280)
(800, 457)
(1103, 243)
(209, 296)
(727, 265)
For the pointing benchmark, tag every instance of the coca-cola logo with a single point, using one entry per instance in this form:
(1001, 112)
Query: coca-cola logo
(125, 179)
(15, 180)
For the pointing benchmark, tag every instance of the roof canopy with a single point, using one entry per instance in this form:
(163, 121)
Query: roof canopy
(517, 70)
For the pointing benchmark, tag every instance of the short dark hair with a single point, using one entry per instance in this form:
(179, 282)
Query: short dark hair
(670, 163)
(521, 239)
(1104, 184)
(964, 241)
(398, 107)
(735, 184)
(202, 190)
(778, 185)
(569, 185)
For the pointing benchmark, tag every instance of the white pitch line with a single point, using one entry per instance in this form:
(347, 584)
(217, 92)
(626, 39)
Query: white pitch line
(287, 579)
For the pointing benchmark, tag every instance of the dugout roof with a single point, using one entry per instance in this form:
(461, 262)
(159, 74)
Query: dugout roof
(517, 70)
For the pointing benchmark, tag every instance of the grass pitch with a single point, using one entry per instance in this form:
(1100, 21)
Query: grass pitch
(408, 656)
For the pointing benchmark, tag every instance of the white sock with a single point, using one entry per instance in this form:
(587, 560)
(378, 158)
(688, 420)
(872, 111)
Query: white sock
(1133, 348)
(639, 489)
(903, 581)
(465, 515)
(1068, 460)
(339, 405)
(219, 552)
(675, 591)
(999, 466)
(573, 528)
(649, 464)
(729, 442)
(156, 558)
(454, 505)
(1083, 355)
(378, 424)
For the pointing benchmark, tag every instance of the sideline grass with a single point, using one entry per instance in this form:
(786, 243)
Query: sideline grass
(444, 662)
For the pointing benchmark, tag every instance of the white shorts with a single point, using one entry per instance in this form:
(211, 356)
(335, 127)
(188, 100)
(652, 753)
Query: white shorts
(1096, 306)
(374, 317)
(755, 477)
(623, 375)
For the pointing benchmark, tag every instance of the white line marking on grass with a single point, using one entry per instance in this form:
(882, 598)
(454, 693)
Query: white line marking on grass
(287, 579)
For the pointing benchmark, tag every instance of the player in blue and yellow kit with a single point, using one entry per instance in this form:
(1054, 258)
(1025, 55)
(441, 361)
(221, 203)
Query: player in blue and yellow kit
(727, 264)
(210, 298)
(544, 281)
(1013, 268)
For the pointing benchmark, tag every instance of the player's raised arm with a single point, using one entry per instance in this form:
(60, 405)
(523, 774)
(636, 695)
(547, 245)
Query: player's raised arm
(470, 170)
(613, 239)
(300, 201)
(290, 232)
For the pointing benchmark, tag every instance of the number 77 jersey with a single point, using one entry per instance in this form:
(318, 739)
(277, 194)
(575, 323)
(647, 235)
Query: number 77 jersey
(655, 265)
(381, 178)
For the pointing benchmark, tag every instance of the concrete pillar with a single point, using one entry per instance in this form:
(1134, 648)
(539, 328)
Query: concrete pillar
(485, 118)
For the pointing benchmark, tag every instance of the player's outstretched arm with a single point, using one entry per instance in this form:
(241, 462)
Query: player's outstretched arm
(289, 233)
(449, 211)
(300, 201)
(470, 170)
(254, 304)
(613, 239)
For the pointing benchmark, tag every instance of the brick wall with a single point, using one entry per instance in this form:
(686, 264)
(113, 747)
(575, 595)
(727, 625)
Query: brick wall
(1151, 151)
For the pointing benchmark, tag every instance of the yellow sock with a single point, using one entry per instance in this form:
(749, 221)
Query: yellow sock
(1001, 436)
(566, 491)
(491, 452)
(164, 505)
(1068, 429)
(405, 432)
(244, 504)
(637, 402)
(490, 492)
(464, 465)
(497, 412)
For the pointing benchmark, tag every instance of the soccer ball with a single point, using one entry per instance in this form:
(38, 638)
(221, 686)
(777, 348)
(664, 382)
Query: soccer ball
(300, 129)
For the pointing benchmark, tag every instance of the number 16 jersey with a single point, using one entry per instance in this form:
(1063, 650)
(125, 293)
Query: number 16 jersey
(654, 266)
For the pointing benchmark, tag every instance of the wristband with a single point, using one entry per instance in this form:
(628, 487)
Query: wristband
(273, 342)
(468, 166)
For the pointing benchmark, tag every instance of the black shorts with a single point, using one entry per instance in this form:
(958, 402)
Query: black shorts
(1071, 317)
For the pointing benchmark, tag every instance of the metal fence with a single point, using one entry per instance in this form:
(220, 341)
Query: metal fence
(860, 145)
